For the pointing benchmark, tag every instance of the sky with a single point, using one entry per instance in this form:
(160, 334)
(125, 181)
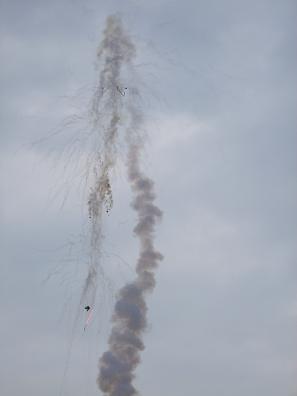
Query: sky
(218, 84)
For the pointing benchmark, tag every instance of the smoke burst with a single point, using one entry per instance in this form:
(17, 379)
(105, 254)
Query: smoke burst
(116, 53)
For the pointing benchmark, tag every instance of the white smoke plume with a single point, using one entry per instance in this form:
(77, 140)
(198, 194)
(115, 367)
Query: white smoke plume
(111, 100)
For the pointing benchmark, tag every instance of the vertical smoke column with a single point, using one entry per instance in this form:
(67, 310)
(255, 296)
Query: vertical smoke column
(114, 50)
(118, 364)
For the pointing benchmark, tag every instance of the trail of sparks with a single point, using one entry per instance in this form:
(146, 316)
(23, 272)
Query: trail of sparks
(89, 318)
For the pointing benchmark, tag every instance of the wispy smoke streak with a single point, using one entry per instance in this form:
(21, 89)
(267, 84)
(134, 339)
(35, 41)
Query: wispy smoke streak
(114, 51)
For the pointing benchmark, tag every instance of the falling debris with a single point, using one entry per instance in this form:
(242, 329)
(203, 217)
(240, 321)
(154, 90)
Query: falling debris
(89, 316)
(122, 91)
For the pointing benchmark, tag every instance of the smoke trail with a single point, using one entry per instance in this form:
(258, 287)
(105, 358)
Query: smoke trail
(117, 365)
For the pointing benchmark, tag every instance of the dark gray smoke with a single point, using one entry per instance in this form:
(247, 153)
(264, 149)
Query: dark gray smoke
(117, 365)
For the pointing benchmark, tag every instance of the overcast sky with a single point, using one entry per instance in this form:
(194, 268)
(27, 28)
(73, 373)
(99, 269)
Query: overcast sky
(218, 83)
